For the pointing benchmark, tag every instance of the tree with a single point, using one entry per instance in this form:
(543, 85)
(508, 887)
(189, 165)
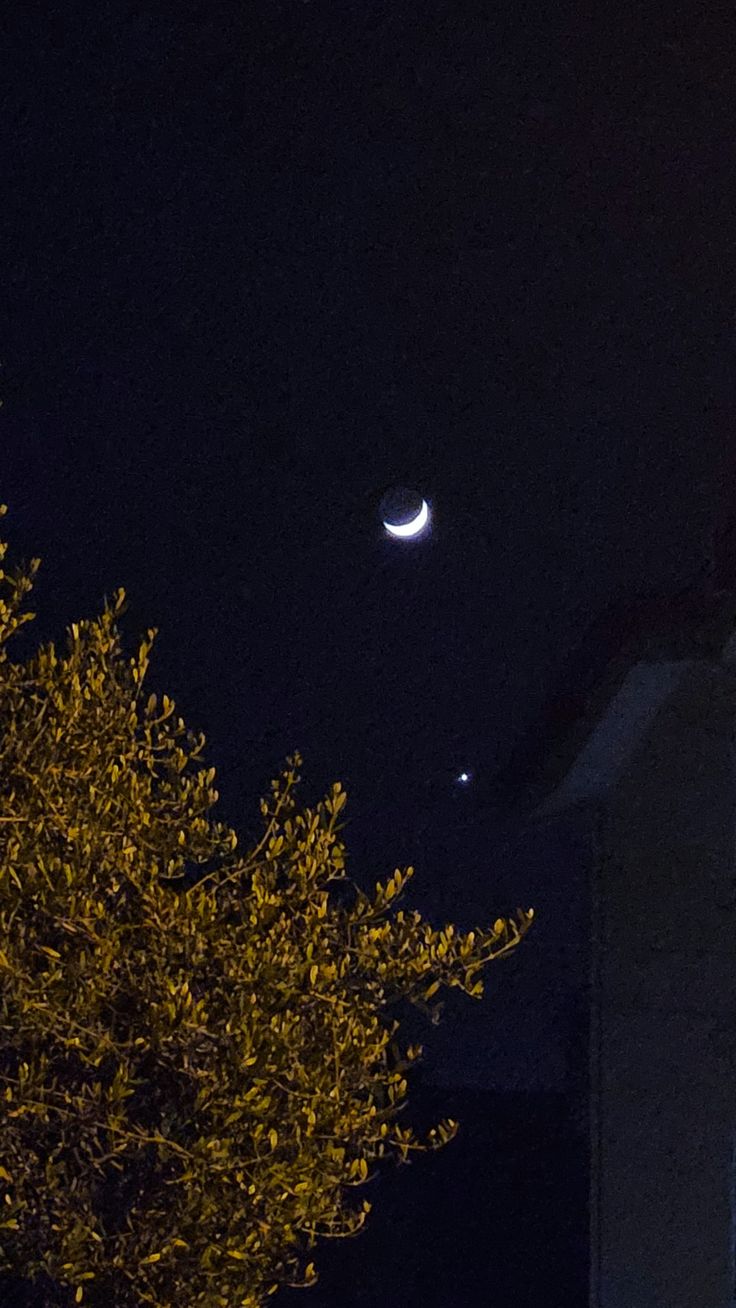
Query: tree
(197, 1061)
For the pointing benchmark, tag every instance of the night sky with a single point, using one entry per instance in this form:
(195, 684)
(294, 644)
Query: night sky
(263, 260)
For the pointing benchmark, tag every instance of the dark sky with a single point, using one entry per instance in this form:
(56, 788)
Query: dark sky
(261, 261)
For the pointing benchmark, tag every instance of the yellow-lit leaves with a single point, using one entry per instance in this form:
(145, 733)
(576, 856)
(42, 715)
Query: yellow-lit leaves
(252, 1001)
(393, 887)
(167, 708)
(443, 1133)
(357, 1172)
(337, 800)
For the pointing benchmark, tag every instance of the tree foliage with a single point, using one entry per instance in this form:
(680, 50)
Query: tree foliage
(195, 1074)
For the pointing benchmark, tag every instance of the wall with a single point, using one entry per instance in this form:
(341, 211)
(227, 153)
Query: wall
(663, 1048)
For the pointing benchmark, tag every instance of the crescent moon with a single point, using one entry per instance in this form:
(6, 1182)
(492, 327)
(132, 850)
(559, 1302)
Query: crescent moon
(411, 528)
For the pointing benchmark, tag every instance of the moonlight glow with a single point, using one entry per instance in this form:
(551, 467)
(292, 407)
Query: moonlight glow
(411, 528)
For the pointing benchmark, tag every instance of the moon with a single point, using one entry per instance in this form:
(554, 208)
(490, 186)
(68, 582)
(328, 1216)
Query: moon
(411, 528)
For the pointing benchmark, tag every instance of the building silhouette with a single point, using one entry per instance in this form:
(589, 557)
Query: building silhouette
(637, 758)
